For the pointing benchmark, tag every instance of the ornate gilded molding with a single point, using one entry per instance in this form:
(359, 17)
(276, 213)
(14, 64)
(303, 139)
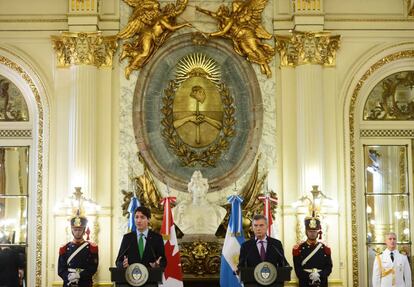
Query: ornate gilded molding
(386, 133)
(83, 6)
(16, 133)
(90, 48)
(307, 48)
(307, 6)
(410, 7)
(390, 99)
(200, 258)
(352, 137)
(40, 164)
(242, 24)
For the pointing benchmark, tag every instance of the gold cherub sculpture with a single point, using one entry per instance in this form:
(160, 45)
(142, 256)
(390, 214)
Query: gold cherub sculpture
(243, 26)
(148, 27)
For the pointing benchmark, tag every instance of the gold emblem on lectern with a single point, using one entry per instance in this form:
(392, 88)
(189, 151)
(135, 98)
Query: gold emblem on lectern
(198, 112)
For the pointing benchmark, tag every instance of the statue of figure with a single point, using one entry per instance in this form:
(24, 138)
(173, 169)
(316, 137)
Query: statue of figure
(148, 26)
(198, 216)
(243, 26)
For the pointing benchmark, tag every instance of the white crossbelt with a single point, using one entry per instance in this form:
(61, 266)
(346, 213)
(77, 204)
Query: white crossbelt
(77, 251)
(311, 254)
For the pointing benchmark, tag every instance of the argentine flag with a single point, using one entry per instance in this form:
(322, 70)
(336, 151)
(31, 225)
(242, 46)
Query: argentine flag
(231, 247)
(133, 204)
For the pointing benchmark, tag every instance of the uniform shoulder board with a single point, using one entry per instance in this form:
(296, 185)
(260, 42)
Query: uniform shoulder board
(327, 250)
(62, 249)
(296, 250)
(93, 247)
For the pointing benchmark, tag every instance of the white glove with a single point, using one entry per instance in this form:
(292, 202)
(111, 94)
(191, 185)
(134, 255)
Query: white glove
(73, 277)
(314, 276)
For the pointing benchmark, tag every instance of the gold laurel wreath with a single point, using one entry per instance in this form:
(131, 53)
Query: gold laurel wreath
(188, 155)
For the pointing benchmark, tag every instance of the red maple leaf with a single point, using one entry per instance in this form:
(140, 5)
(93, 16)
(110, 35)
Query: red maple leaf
(173, 268)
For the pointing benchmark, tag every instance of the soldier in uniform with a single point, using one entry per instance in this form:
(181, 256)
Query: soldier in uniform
(391, 268)
(78, 259)
(312, 259)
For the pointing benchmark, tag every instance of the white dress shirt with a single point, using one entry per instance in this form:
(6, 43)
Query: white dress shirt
(387, 273)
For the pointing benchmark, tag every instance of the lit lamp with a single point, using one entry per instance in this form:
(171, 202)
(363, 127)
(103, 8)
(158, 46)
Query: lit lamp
(318, 205)
(87, 207)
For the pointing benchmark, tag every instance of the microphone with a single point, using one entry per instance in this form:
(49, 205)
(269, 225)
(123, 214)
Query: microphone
(249, 251)
(285, 263)
(122, 254)
(150, 246)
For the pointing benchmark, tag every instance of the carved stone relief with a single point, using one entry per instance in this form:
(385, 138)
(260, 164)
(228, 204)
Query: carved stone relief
(197, 105)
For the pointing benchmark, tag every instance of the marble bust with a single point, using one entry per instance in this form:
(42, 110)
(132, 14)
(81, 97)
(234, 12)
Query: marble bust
(198, 216)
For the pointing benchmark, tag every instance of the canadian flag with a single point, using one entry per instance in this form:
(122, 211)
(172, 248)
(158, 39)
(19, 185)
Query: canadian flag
(173, 276)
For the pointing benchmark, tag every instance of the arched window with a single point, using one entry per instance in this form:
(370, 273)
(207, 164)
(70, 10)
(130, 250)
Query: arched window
(23, 138)
(14, 174)
(383, 160)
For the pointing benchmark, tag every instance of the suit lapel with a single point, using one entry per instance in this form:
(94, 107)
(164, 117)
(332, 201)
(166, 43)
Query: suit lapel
(147, 250)
(134, 246)
(256, 251)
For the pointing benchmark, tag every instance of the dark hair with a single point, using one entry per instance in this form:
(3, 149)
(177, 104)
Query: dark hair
(259, 217)
(144, 210)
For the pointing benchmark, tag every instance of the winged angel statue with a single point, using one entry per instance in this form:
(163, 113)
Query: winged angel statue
(148, 27)
(243, 26)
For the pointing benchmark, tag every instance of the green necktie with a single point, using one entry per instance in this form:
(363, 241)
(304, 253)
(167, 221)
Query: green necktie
(141, 245)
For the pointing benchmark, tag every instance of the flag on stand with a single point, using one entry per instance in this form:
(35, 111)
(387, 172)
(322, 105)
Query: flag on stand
(268, 201)
(133, 204)
(173, 276)
(231, 247)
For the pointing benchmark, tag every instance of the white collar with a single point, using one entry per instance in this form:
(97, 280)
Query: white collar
(258, 240)
(387, 251)
(145, 232)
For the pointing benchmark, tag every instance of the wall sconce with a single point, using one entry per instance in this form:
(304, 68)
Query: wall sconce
(87, 207)
(71, 204)
(318, 203)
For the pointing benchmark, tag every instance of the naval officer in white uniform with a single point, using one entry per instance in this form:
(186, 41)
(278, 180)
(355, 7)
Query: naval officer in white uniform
(391, 268)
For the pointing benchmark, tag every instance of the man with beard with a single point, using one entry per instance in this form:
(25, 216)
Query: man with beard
(312, 259)
(78, 259)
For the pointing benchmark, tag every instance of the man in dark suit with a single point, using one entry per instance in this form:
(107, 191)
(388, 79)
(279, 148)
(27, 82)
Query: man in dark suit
(143, 246)
(261, 247)
(11, 266)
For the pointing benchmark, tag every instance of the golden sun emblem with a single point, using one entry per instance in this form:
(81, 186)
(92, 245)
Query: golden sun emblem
(199, 111)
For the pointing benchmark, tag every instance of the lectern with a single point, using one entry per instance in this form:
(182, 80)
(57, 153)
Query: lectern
(118, 276)
(248, 278)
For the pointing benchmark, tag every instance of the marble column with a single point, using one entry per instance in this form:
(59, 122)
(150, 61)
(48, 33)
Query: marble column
(83, 53)
(82, 128)
(307, 53)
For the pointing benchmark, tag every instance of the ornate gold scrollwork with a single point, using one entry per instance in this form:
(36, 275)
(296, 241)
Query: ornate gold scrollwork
(198, 112)
(391, 99)
(148, 28)
(410, 7)
(307, 48)
(147, 194)
(84, 49)
(251, 204)
(200, 257)
(243, 26)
